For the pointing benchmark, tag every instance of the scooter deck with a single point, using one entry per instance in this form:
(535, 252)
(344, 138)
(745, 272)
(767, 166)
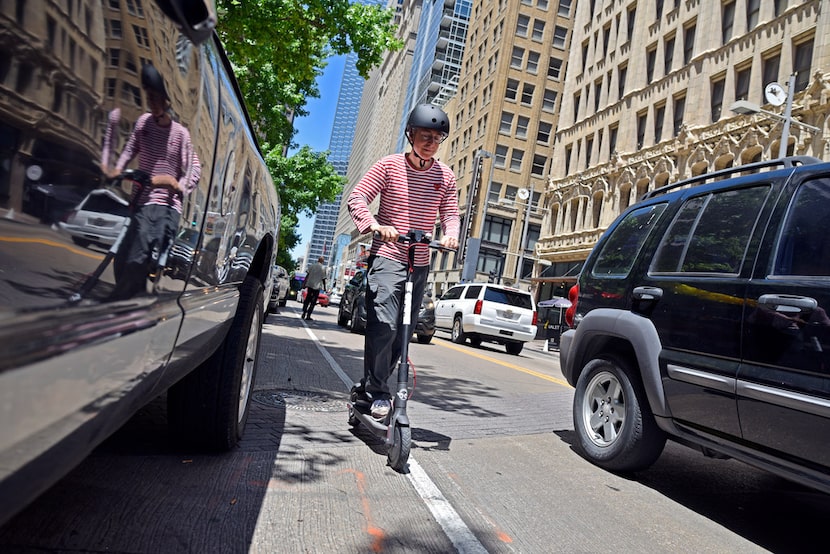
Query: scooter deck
(362, 410)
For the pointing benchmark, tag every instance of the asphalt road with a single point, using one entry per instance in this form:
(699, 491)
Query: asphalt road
(492, 469)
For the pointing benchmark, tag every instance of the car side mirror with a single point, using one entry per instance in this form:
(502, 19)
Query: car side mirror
(196, 18)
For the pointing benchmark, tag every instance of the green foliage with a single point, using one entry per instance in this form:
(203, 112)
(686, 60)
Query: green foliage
(277, 49)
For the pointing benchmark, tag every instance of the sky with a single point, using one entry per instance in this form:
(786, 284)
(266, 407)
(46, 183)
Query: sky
(314, 131)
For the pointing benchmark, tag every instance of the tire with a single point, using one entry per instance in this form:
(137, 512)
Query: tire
(283, 302)
(342, 319)
(514, 348)
(424, 339)
(399, 450)
(475, 341)
(613, 422)
(354, 421)
(210, 406)
(458, 336)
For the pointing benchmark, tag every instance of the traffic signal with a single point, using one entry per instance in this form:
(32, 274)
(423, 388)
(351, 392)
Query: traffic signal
(492, 277)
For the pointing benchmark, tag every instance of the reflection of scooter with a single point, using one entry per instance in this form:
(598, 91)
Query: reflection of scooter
(143, 180)
(395, 429)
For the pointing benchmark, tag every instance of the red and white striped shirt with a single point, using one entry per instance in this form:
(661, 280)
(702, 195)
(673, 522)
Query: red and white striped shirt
(409, 200)
(162, 151)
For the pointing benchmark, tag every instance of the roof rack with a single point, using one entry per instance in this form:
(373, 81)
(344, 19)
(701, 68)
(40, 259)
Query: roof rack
(789, 161)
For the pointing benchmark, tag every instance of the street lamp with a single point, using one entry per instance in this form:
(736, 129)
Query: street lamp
(776, 96)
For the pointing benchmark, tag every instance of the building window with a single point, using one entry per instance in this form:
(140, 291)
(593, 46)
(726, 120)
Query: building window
(613, 131)
(727, 21)
(577, 98)
(753, 9)
(538, 29)
(517, 58)
(688, 43)
(543, 135)
(532, 62)
(496, 229)
(539, 163)
(802, 60)
(641, 129)
(585, 55)
(770, 70)
(742, 83)
(606, 39)
(651, 58)
(564, 8)
(516, 159)
(560, 36)
(632, 13)
(622, 73)
(114, 57)
(717, 98)
(522, 26)
(568, 152)
(555, 68)
(679, 109)
(521, 126)
(549, 101)
(512, 89)
(506, 126)
(779, 6)
(659, 9)
(597, 94)
(527, 94)
(501, 156)
(589, 148)
(668, 54)
(659, 117)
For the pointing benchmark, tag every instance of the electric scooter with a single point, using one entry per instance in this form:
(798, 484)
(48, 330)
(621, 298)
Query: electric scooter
(395, 429)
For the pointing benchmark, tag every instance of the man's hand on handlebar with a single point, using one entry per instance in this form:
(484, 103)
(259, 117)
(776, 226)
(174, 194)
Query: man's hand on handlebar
(450, 243)
(386, 233)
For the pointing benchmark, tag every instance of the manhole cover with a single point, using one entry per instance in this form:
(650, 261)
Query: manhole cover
(299, 400)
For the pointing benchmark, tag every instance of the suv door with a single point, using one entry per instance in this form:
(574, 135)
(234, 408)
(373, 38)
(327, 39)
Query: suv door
(697, 280)
(784, 380)
(444, 308)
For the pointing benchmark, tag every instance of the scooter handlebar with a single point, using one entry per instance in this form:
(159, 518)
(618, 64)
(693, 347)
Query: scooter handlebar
(421, 237)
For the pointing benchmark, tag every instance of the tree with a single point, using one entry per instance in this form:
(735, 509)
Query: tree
(277, 49)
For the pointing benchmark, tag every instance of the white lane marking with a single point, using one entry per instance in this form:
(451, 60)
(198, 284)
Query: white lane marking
(460, 536)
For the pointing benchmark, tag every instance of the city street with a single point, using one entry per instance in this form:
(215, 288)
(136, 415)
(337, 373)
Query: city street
(492, 469)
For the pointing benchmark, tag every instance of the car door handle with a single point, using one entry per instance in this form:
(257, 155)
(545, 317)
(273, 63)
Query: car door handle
(648, 293)
(803, 303)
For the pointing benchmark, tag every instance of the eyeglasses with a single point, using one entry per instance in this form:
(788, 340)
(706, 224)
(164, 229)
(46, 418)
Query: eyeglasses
(431, 138)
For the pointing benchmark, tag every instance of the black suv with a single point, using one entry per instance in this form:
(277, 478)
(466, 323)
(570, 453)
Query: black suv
(351, 312)
(700, 316)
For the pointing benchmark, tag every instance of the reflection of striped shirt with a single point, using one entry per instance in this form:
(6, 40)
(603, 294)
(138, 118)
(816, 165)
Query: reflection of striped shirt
(162, 151)
(409, 200)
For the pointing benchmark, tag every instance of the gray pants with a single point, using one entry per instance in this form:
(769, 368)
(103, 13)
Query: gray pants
(385, 285)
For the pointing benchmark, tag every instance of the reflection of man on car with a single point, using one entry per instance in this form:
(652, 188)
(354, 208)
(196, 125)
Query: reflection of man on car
(165, 152)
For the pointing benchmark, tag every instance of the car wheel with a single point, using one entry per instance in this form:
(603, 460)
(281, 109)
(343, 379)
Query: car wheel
(80, 242)
(424, 339)
(354, 326)
(475, 341)
(210, 406)
(342, 319)
(514, 347)
(284, 301)
(458, 336)
(614, 425)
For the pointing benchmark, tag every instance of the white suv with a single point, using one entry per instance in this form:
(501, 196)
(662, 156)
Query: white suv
(486, 312)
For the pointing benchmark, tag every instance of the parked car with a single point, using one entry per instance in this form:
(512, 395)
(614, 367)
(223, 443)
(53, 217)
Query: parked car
(322, 298)
(97, 219)
(334, 298)
(279, 290)
(483, 312)
(352, 310)
(701, 316)
(76, 360)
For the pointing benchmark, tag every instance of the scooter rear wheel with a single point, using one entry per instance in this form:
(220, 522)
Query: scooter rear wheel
(399, 450)
(354, 421)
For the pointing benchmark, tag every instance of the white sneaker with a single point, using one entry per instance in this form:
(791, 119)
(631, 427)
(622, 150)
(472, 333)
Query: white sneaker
(380, 409)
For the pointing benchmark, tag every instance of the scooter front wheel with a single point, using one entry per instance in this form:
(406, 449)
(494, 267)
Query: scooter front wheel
(399, 449)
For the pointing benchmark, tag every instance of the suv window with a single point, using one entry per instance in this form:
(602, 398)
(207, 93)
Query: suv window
(509, 297)
(622, 247)
(473, 291)
(711, 233)
(453, 293)
(804, 246)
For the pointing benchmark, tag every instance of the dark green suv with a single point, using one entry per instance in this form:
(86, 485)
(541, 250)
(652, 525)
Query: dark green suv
(700, 317)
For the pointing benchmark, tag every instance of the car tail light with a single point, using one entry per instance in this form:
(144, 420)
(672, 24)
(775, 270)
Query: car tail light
(535, 317)
(573, 295)
(477, 309)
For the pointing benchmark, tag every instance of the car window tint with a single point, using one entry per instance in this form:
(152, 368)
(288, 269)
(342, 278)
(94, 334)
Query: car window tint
(453, 293)
(804, 245)
(473, 291)
(710, 233)
(620, 250)
(512, 298)
(104, 204)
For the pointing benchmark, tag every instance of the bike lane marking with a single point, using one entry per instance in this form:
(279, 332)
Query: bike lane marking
(442, 511)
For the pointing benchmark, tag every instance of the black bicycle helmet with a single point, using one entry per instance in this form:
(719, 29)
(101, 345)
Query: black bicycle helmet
(427, 116)
(151, 79)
